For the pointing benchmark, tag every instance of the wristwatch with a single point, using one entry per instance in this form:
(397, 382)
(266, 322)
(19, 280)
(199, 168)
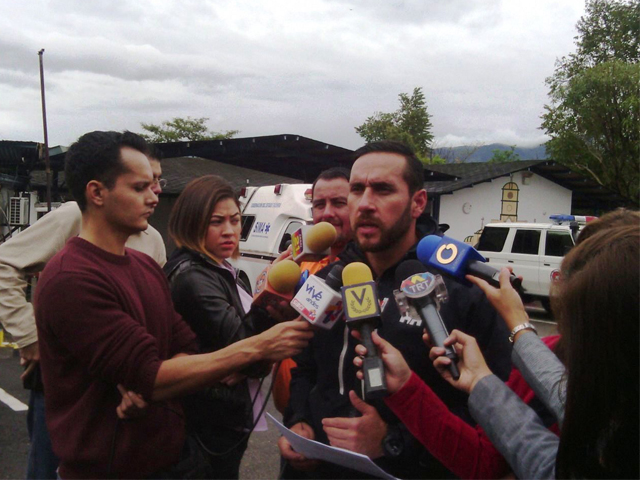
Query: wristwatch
(522, 326)
(392, 443)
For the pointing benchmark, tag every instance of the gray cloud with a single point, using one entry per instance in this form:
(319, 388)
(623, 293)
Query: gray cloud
(315, 68)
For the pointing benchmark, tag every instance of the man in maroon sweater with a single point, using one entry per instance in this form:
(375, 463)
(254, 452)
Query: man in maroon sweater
(105, 317)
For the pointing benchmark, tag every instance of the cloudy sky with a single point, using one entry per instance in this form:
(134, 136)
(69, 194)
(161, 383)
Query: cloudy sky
(316, 68)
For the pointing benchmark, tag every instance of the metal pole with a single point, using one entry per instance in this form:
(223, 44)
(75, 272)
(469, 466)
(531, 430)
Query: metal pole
(46, 137)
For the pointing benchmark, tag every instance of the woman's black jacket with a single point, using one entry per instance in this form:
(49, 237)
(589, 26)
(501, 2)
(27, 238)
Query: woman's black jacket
(206, 296)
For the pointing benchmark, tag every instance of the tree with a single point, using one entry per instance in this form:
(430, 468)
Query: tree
(594, 116)
(183, 129)
(410, 124)
(504, 156)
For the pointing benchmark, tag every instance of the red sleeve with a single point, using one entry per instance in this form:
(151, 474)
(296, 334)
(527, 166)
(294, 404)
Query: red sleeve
(461, 448)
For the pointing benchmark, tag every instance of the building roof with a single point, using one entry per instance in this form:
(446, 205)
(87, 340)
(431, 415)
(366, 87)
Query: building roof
(587, 194)
(181, 170)
(284, 154)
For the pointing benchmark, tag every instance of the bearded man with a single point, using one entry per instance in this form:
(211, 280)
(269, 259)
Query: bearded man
(386, 204)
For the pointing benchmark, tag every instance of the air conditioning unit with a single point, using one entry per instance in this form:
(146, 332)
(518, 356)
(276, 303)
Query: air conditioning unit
(18, 211)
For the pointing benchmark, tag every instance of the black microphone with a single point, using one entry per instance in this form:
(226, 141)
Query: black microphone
(362, 311)
(458, 259)
(423, 292)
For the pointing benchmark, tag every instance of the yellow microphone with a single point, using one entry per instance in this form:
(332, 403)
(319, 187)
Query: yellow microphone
(311, 243)
(277, 283)
(362, 311)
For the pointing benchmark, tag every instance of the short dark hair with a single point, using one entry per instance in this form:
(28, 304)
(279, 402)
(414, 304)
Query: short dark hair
(413, 173)
(331, 174)
(155, 153)
(97, 156)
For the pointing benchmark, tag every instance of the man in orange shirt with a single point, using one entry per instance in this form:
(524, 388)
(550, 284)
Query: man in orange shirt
(328, 204)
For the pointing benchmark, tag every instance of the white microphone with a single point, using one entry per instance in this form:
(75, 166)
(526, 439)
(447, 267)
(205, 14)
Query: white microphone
(319, 301)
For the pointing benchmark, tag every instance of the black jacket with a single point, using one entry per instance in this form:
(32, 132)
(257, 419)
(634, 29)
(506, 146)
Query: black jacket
(206, 296)
(325, 372)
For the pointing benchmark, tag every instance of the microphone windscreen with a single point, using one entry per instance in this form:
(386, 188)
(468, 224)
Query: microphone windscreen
(320, 237)
(407, 269)
(427, 246)
(356, 272)
(283, 276)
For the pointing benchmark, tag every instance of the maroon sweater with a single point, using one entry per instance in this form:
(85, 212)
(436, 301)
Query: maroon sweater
(105, 319)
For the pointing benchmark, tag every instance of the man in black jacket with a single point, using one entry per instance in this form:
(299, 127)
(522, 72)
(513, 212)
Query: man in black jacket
(386, 209)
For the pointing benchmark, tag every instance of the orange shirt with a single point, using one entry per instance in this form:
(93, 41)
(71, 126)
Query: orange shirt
(283, 377)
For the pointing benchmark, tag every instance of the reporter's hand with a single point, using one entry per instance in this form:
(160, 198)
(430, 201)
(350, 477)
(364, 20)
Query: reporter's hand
(29, 358)
(284, 340)
(471, 363)
(397, 372)
(363, 434)
(298, 461)
(286, 255)
(505, 299)
(131, 406)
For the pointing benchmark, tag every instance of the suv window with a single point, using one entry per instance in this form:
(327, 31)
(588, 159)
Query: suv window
(526, 241)
(286, 238)
(558, 244)
(247, 223)
(492, 239)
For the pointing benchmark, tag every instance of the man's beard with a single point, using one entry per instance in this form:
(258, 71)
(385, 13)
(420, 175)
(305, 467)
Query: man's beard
(391, 236)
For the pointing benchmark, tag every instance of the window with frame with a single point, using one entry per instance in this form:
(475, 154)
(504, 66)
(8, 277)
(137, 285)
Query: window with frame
(492, 239)
(286, 237)
(558, 243)
(526, 241)
(247, 223)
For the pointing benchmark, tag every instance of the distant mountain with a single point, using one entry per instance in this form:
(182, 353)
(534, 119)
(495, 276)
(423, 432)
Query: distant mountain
(484, 153)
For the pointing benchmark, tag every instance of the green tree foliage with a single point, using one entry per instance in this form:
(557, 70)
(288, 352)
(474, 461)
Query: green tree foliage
(504, 156)
(183, 129)
(410, 124)
(594, 116)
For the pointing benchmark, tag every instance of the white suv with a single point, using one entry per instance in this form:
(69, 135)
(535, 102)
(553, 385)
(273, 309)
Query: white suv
(533, 250)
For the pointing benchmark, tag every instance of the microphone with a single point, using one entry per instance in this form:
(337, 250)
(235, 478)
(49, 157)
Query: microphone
(361, 308)
(276, 284)
(311, 243)
(457, 259)
(422, 293)
(319, 301)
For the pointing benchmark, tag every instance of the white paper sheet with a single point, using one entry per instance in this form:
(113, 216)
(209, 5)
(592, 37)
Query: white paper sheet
(316, 450)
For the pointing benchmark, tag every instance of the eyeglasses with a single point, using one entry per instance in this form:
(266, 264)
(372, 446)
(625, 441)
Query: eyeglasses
(160, 181)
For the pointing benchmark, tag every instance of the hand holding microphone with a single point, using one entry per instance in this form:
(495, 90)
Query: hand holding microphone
(424, 292)
(457, 259)
(362, 311)
(311, 243)
(397, 371)
(472, 364)
(276, 284)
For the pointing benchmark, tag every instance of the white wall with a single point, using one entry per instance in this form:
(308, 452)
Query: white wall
(538, 199)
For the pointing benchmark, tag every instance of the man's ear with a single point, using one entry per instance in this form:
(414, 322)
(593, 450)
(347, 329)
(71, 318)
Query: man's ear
(418, 203)
(94, 192)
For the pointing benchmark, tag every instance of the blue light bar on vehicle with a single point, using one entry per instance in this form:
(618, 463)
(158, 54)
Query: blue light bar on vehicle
(581, 219)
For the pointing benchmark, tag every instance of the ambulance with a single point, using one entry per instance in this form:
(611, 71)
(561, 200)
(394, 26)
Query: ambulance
(270, 215)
